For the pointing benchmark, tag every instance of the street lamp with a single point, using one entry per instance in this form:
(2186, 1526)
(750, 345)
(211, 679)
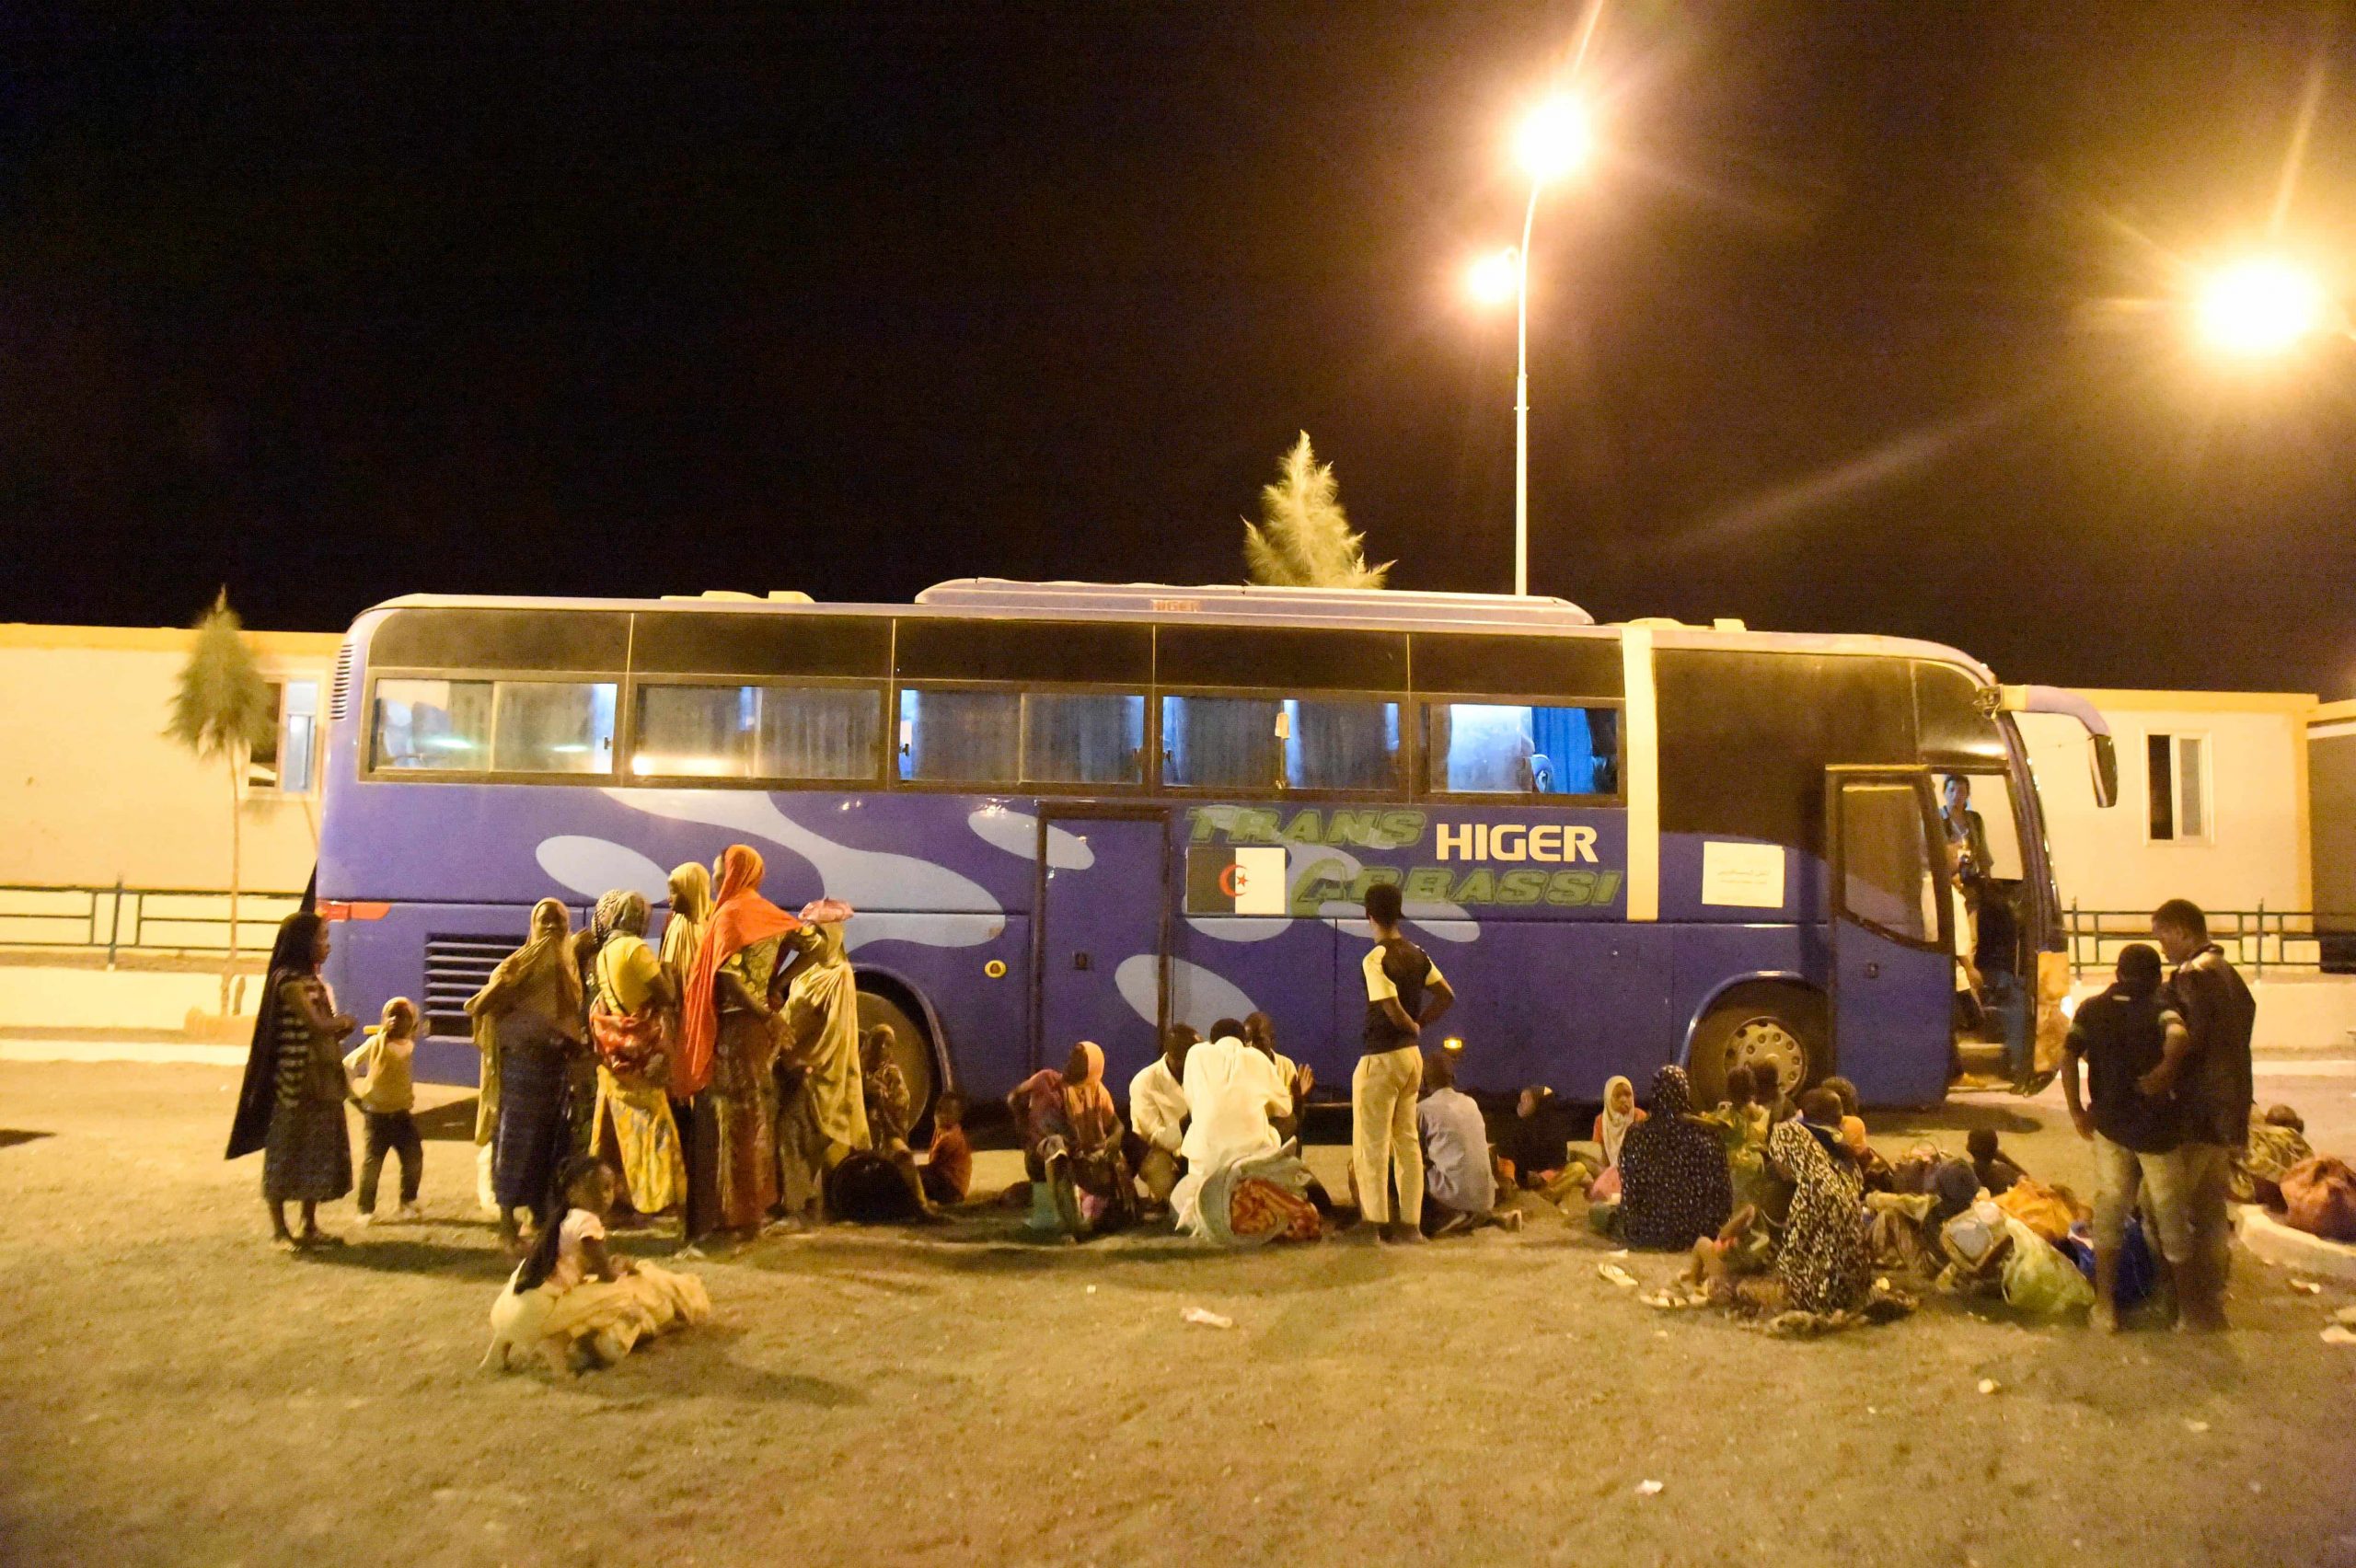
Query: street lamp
(1558, 139)
(2259, 306)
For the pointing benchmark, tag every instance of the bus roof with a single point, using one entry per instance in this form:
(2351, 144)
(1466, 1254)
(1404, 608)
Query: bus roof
(1243, 604)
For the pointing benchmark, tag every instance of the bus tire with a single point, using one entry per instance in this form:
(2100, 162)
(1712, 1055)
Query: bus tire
(912, 1047)
(1756, 1025)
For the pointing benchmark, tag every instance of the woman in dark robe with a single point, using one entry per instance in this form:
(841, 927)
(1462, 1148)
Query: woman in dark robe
(533, 999)
(291, 1106)
(1674, 1185)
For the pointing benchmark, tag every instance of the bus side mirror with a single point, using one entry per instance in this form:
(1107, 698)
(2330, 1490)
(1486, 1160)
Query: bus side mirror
(2106, 765)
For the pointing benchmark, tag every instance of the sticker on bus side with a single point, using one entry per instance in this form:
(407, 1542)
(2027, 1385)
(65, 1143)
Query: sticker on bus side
(1242, 881)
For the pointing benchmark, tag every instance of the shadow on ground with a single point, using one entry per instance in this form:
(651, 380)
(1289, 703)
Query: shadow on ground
(10, 1137)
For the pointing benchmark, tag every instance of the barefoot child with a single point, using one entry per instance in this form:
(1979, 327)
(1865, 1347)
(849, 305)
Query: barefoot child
(575, 1305)
(380, 1071)
(948, 1168)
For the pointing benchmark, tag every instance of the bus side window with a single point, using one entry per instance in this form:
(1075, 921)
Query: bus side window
(1083, 737)
(960, 735)
(442, 726)
(757, 731)
(1521, 749)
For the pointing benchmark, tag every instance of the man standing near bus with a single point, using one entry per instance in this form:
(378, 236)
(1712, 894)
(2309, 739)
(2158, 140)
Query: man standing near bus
(1404, 995)
(2209, 1071)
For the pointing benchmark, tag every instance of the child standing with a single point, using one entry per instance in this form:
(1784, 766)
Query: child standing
(382, 1085)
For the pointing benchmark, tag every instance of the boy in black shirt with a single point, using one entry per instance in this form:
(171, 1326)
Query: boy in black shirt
(2123, 1034)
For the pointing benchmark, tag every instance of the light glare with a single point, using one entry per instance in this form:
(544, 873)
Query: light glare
(1496, 278)
(1556, 139)
(2263, 305)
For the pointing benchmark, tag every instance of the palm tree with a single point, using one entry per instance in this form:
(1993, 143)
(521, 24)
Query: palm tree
(223, 709)
(1302, 539)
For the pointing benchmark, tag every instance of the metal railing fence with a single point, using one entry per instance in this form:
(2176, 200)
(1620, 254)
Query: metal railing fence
(2256, 940)
(139, 920)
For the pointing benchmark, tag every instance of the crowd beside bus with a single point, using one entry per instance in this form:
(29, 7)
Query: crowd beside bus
(722, 1075)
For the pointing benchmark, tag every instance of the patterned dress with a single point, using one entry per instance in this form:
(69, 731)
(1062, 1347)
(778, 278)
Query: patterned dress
(1674, 1186)
(1824, 1265)
(308, 1156)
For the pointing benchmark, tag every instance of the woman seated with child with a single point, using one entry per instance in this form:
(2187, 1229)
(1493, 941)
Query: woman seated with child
(575, 1305)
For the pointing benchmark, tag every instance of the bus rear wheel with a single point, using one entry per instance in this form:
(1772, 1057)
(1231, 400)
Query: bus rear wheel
(911, 1048)
(1776, 1028)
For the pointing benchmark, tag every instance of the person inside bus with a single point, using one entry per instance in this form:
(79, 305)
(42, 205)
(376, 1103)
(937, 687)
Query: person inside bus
(1260, 1033)
(528, 1019)
(1965, 830)
(1674, 1185)
(1405, 993)
(1968, 991)
(1158, 1115)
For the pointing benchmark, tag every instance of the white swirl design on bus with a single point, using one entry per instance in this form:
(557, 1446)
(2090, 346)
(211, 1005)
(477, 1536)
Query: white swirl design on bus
(592, 866)
(1197, 995)
(1017, 833)
(874, 877)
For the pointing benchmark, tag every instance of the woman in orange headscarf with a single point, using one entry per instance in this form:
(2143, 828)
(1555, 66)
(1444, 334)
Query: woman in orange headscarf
(726, 1043)
(1072, 1146)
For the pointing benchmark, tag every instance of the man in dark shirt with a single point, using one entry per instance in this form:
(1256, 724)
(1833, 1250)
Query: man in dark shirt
(2123, 1034)
(2210, 1075)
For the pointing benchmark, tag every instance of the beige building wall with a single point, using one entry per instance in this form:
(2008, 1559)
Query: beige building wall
(2254, 846)
(92, 791)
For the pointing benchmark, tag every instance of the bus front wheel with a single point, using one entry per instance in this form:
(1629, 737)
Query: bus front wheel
(1777, 1027)
(911, 1048)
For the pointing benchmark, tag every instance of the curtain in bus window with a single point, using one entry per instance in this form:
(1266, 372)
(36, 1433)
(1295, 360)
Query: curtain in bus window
(752, 731)
(953, 735)
(1222, 742)
(553, 726)
(1516, 749)
(1083, 738)
(1887, 860)
(443, 725)
(1341, 745)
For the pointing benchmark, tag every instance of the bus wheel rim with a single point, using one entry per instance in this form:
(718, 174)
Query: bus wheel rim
(1767, 1042)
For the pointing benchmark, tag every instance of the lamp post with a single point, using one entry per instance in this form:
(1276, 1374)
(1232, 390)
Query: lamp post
(1555, 140)
(2262, 308)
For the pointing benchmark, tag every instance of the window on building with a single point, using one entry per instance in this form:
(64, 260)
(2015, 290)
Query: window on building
(758, 731)
(1493, 748)
(494, 726)
(2178, 784)
(286, 760)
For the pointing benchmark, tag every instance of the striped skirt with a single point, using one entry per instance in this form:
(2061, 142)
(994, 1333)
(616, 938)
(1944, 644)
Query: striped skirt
(307, 1158)
(531, 1135)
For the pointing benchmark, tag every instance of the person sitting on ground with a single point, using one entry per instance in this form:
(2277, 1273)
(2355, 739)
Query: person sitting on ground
(1674, 1186)
(1997, 1170)
(1619, 1113)
(1460, 1185)
(1537, 1146)
(1233, 1094)
(383, 1088)
(1743, 1249)
(1822, 1262)
(948, 1168)
(2277, 1142)
(2122, 1035)
(1871, 1165)
(575, 1305)
(1741, 1123)
(1158, 1115)
(885, 1090)
(1260, 1033)
(1071, 1147)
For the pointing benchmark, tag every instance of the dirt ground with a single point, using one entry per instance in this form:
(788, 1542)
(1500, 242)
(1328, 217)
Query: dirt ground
(173, 1390)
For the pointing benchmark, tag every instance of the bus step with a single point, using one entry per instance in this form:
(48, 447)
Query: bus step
(1981, 1057)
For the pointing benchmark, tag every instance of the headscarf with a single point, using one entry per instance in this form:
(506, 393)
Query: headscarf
(544, 959)
(1674, 1184)
(690, 910)
(740, 918)
(1088, 1104)
(1852, 1135)
(1822, 1263)
(289, 958)
(1615, 1126)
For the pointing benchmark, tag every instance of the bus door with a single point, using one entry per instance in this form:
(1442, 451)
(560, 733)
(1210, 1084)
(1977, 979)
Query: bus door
(1101, 959)
(1892, 933)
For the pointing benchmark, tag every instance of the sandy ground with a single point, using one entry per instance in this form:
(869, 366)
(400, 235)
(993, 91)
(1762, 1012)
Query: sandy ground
(173, 1390)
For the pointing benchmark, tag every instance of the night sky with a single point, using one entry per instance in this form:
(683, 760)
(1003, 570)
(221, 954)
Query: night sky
(1858, 325)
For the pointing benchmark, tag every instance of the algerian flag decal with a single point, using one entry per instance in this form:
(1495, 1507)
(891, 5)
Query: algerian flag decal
(1236, 881)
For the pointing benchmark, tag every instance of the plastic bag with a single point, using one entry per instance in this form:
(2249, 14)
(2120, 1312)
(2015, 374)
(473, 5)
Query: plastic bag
(2319, 1197)
(2137, 1271)
(1973, 1237)
(2038, 1206)
(2039, 1279)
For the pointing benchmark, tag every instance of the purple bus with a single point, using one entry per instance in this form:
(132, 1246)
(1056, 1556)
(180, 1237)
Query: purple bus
(1071, 811)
